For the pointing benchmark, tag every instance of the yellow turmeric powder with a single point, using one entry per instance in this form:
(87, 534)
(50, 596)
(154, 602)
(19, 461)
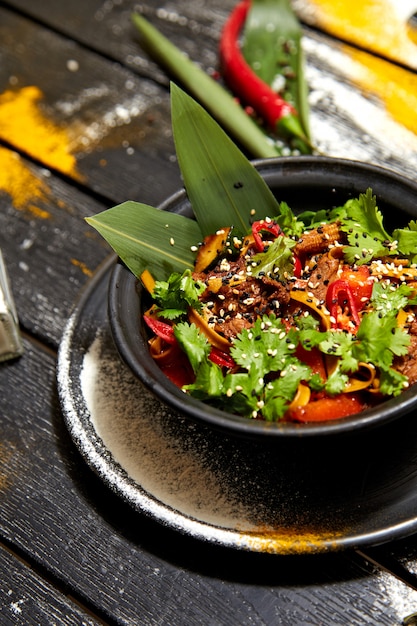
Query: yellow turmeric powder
(23, 125)
(394, 86)
(378, 25)
(20, 183)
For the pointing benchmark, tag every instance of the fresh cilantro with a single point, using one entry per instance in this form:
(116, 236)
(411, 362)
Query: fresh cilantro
(208, 382)
(389, 299)
(308, 333)
(363, 225)
(288, 221)
(174, 296)
(407, 240)
(341, 344)
(314, 219)
(269, 372)
(392, 382)
(193, 343)
(336, 382)
(277, 260)
(380, 339)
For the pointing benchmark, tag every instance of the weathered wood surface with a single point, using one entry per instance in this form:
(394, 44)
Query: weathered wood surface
(69, 545)
(29, 599)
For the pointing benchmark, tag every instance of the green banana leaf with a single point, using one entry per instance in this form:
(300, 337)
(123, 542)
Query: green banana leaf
(272, 47)
(146, 238)
(223, 186)
(217, 100)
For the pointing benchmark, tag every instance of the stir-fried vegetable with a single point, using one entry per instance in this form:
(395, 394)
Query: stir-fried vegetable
(268, 340)
(279, 314)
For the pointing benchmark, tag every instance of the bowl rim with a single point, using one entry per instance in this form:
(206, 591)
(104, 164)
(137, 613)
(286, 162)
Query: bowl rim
(122, 281)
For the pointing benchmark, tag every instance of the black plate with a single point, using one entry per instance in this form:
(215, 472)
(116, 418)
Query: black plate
(299, 497)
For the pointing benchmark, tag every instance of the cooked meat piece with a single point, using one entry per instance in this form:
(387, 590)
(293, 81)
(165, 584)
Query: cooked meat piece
(323, 274)
(407, 364)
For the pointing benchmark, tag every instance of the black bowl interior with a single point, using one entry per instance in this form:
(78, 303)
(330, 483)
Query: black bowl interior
(304, 183)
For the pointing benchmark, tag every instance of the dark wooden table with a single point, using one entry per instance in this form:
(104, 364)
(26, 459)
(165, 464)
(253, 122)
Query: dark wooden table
(85, 124)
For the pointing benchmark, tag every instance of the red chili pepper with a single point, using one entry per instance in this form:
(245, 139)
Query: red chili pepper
(161, 329)
(275, 111)
(339, 297)
(270, 227)
(223, 359)
(298, 268)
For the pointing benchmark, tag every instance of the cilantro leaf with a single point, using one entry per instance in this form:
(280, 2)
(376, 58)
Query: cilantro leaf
(392, 382)
(336, 382)
(366, 234)
(380, 339)
(174, 296)
(341, 344)
(276, 260)
(265, 347)
(389, 300)
(208, 382)
(193, 343)
(288, 221)
(407, 240)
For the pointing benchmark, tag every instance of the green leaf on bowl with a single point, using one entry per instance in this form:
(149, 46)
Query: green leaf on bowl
(147, 238)
(223, 187)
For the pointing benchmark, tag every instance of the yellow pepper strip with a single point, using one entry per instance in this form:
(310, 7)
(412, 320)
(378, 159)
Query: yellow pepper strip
(362, 379)
(394, 269)
(148, 280)
(402, 318)
(313, 303)
(211, 248)
(216, 340)
(301, 398)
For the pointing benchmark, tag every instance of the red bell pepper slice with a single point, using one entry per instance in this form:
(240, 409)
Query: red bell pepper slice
(360, 282)
(327, 409)
(178, 369)
(223, 359)
(342, 306)
(270, 227)
(161, 329)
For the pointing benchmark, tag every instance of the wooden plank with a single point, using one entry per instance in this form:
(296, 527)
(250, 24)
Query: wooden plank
(84, 116)
(59, 516)
(49, 251)
(27, 599)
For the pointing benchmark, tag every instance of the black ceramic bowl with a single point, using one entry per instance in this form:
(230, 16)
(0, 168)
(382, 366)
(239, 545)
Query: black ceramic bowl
(304, 183)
